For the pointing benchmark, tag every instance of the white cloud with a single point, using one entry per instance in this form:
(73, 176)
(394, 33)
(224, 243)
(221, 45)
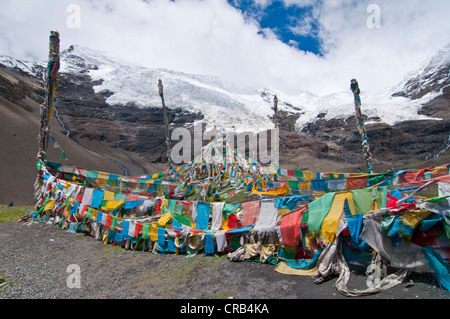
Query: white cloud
(212, 37)
(300, 3)
(410, 30)
(303, 27)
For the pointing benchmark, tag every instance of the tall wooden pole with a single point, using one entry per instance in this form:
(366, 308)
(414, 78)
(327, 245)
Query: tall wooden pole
(166, 120)
(47, 108)
(354, 86)
(275, 109)
(275, 137)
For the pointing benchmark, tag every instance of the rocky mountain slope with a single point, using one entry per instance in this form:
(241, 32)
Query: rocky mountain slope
(109, 118)
(20, 97)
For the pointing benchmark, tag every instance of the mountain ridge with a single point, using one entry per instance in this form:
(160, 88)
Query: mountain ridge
(127, 138)
(236, 109)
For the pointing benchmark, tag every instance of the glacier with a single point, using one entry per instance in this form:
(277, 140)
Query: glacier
(225, 106)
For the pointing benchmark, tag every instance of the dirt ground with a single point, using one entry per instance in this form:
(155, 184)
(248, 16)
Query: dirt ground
(36, 263)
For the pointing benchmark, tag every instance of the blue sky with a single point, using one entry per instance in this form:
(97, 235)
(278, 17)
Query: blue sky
(291, 46)
(294, 25)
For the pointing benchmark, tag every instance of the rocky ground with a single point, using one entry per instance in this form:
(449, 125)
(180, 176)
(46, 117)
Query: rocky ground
(36, 258)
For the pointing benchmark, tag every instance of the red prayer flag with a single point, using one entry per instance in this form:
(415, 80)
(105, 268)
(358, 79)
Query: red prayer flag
(232, 221)
(250, 212)
(357, 182)
(412, 177)
(137, 230)
(290, 227)
(108, 222)
(158, 207)
(83, 211)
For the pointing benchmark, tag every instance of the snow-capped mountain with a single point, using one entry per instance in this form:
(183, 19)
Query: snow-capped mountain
(434, 76)
(113, 106)
(224, 106)
(228, 107)
(30, 67)
(391, 105)
(130, 83)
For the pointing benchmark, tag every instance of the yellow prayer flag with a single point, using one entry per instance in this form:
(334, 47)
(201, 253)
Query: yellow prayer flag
(108, 195)
(308, 175)
(103, 176)
(284, 268)
(67, 211)
(105, 237)
(304, 185)
(153, 232)
(225, 224)
(330, 223)
(50, 205)
(113, 204)
(284, 190)
(165, 203)
(414, 218)
(164, 219)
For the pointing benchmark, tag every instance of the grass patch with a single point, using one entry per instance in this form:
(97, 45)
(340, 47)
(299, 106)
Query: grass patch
(5, 282)
(12, 214)
(224, 294)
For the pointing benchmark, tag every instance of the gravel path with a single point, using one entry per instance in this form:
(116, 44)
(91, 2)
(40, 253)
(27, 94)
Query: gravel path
(35, 259)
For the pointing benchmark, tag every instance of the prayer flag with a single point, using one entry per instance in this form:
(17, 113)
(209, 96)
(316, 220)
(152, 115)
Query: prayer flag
(203, 212)
(109, 219)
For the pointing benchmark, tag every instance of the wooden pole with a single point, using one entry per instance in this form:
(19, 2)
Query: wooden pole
(275, 145)
(354, 86)
(47, 108)
(166, 120)
(275, 109)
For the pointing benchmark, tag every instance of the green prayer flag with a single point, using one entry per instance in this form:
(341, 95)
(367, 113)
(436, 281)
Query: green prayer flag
(298, 174)
(230, 208)
(172, 205)
(63, 155)
(318, 210)
(92, 174)
(447, 229)
(120, 196)
(146, 231)
(293, 185)
(375, 179)
(89, 213)
(364, 198)
(113, 224)
(183, 220)
(436, 199)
